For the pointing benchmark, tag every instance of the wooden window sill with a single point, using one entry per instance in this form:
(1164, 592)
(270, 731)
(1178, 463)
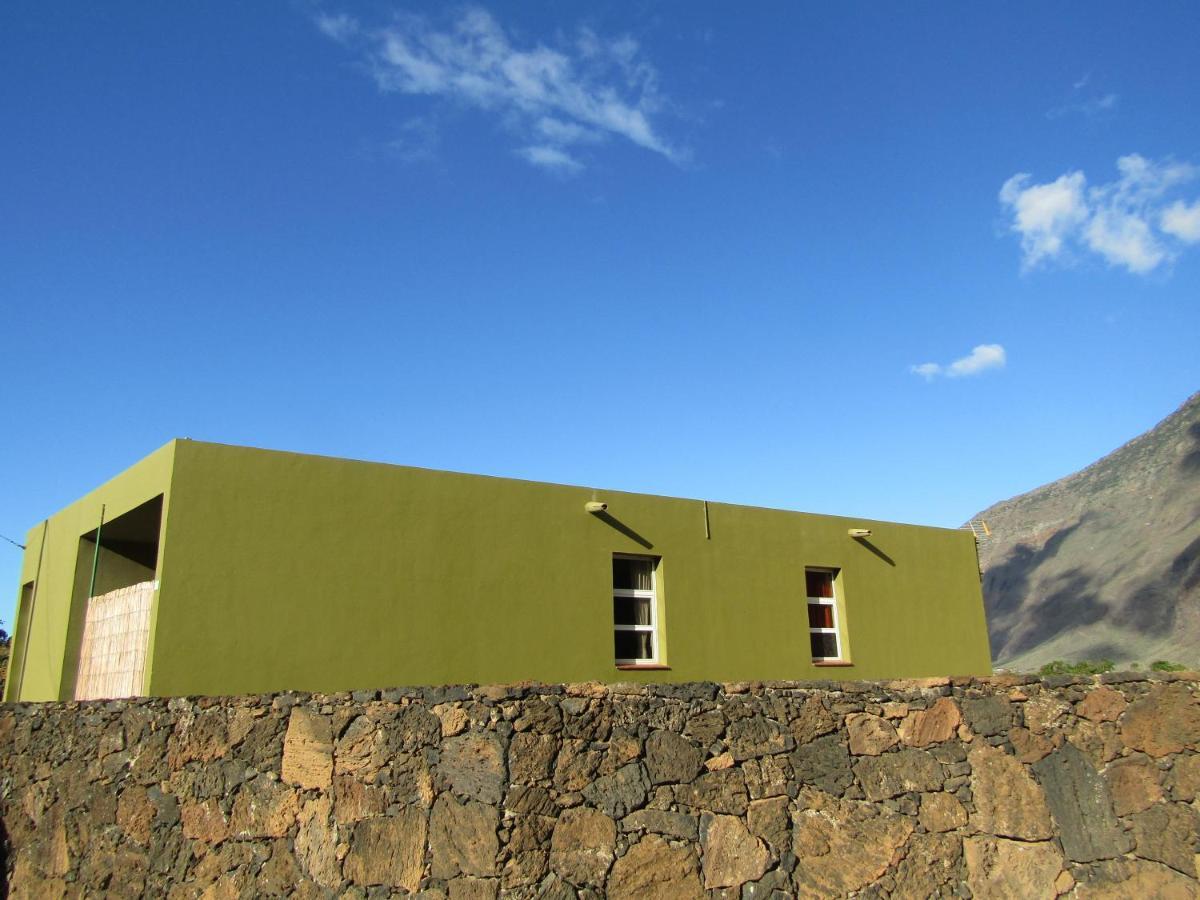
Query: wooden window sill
(833, 664)
(652, 667)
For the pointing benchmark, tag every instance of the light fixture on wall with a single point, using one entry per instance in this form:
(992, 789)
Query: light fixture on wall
(595, 507)
(859, 532)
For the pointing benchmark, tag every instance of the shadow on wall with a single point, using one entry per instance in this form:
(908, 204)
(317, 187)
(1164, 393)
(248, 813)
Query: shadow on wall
(865, 543)
(614, 522)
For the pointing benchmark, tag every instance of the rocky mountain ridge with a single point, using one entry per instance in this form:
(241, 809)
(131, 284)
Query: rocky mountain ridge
(1104, 563)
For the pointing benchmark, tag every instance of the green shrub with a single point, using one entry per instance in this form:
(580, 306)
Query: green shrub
(1083, 667)
(1163, 665)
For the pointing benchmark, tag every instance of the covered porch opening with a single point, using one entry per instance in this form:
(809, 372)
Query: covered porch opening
(115, 582)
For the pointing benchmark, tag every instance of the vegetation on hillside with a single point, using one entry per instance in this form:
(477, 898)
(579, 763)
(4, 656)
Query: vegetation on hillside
(1083, 667)
(1163, 665)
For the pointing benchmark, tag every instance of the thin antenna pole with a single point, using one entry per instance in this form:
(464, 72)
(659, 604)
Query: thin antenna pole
(96, 555)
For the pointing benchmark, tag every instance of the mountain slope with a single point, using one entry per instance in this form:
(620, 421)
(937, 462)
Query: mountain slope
(1104, 563)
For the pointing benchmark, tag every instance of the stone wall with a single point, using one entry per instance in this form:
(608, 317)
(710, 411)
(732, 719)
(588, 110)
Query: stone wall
(1003, 787)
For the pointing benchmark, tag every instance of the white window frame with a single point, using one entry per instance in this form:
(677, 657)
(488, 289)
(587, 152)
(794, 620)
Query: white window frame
(831, 602)
(652, 596)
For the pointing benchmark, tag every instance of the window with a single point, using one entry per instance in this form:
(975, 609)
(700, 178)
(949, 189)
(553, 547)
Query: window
(635, 617)
(822, 614)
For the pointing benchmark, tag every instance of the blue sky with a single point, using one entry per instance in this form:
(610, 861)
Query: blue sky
(897, 261)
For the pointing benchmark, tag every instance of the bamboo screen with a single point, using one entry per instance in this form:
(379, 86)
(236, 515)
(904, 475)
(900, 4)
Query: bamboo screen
(112, 661)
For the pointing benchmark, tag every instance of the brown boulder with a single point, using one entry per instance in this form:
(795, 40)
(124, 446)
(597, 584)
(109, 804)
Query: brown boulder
(939, 723)
(1165, 721)
(583, 846)
(998, 868)
(353, 800)
(308, 750)
(671, 758)
(730, 854)
(360, 750)
(263, 808)
(901, 772)
(941, 812)
(932, 867)
(843, 845)
(870, 735)
(135, 813)
(1144, 880)
(769, 820)
(467, 888)
(1167, 833)
(812, 720)
(203, 820)
(1185, 778)
(473, 764)
(1133, 784)
(1102, 704)
(653, 868)
(1043, 712)
(462, 838)
(1029, 747)
(316, 843)
(389, 852)
(531, 756)
(1008, 801)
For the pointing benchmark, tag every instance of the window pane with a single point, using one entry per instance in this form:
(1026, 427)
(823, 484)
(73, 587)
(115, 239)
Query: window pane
(824, 645)
(631, 610)
(635, 574)
(820, 584)
(634, 645)
(820, 616)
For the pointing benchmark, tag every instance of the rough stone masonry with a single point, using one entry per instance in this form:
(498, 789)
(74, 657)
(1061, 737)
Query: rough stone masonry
(998, 787)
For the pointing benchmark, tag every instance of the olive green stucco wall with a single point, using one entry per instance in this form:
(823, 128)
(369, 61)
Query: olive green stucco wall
(290, 571)
(283, 571)
(46, 669)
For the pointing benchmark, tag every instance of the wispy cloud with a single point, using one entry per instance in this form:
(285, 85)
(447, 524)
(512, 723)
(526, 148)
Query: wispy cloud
(554, 99)
(547, 156)
(1182, 221)
(1091, 108)
(415, 141)
(980, 359)
(1126, 221)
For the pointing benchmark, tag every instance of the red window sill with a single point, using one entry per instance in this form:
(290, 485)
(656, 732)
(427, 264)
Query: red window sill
(653, 667)
(833, 664)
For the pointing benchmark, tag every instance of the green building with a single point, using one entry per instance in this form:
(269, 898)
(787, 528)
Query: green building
(210, 569)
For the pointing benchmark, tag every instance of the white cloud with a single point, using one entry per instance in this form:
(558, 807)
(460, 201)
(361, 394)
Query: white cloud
(1115, 221)
(548, 157)
(1182, 221)
(416, 141)
(1045, 214)
(1092, 108)
(980, 359)
(927, 370)
(551, 98)
(1124, 239)
(339, 27)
